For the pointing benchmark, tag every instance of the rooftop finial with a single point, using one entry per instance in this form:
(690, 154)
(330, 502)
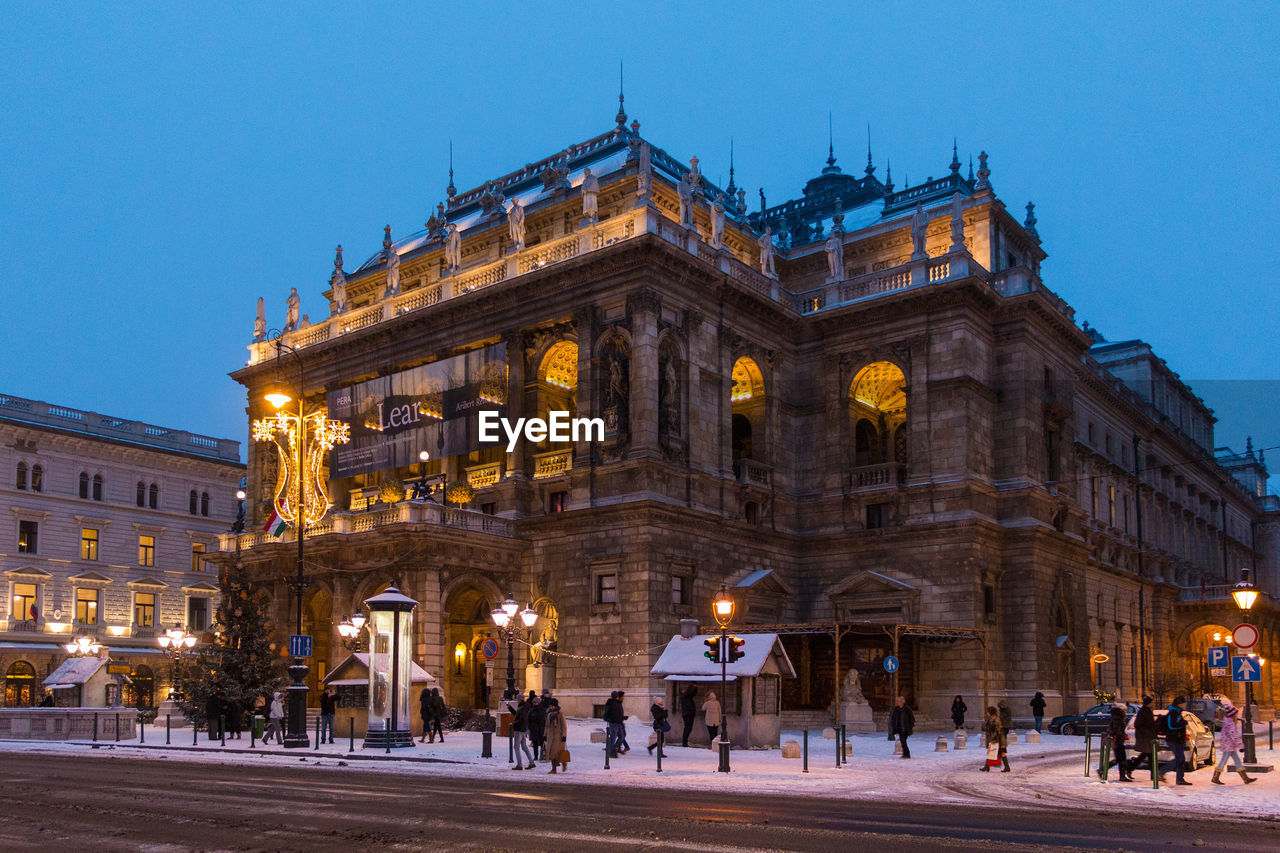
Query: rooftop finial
(1248, 444)
(871, 169)
(621, 117)
(888, 177)
(970, 168)
(955, 157)
(984, 174)
(451, 190)
(831, 143)
(732, 189)
(1030, 222)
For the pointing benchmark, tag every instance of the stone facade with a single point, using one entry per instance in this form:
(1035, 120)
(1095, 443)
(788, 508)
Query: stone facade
(917, 441)
(107, 519)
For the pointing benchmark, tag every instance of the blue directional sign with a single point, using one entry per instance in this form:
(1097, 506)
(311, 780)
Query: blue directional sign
(300, 645)
(890, 664)
(1218, 657)
(1246, 669)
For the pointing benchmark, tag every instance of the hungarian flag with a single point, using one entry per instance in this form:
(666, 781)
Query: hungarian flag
(275, 525)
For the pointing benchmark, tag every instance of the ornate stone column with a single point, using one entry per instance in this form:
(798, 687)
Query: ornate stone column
(643, 307)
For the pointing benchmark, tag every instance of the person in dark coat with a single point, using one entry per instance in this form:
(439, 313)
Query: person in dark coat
(958, 709)
(520, 733)
(658, 711)
(213, 714)
(901, 723)
(235, 718)
(438, 713)
(1037, 709)
(328, 713)
(1176, 737)
(688, 711)
(612, 722)
(537, 726)
(424, 710)
(1144, 734)
(1116, 736)
(623, 746)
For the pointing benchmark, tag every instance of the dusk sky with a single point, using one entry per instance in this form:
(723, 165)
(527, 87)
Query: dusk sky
(164, 165)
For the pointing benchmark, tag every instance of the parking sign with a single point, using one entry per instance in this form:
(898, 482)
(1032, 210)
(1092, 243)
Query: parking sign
(1218, 657)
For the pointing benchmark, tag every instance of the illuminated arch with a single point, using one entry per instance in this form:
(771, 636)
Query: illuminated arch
(748, 382)
(560, 366)
(880, 386)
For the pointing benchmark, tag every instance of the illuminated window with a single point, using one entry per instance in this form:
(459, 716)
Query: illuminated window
(607, 589)
(144, 610)
(87, 606)
(28, 532)
(37, 478)
(559, 501)
(88, 543)
(24, 602)
(146, 550)
(197, 556)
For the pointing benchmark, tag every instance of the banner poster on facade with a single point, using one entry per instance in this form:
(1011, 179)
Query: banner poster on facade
(434, 407)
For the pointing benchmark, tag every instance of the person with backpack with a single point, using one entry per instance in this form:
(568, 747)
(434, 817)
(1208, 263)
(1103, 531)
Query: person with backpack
(1230, 745)
(1174, 729)
(658, 711)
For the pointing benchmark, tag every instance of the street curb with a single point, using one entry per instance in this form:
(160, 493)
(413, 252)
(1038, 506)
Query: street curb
(300, 753)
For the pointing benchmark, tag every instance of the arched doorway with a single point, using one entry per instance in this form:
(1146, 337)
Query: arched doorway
(20, 685)
(466, 623)
(142, 690)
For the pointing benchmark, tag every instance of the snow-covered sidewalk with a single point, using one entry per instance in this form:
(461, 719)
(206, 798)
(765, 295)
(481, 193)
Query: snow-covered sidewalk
(1047, 774)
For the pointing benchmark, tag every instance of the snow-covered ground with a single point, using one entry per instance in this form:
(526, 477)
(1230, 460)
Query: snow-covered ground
(1047, 774)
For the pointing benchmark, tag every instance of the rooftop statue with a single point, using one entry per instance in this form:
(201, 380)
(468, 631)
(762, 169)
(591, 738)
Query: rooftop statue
(260, 321)
(644, 176)
(338, 281)
(685, 189)
(291, 310)
(393, 266)
(590, 191)
(515, 225)
(305, 322)
(766, 253)
(919, 231)
(957, 224)
(452, 248)
(835, 255)
(717, 222)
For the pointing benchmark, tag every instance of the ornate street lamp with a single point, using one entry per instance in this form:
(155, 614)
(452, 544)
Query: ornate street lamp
(83, 647)
(504, 617)
(350, 629)
(1246, 595)
(722, 608)
(175, 642)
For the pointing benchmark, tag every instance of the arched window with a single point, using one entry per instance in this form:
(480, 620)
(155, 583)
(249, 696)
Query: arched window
(143, 686)
(153, 497)
(142, 493)
(866, 443)
(22, 476)
(747, 403)
(204, 503)
(191, 502)
(37, 478)
(741, 437)
(84, 485)
(97, 487)
(20, 685)
(878, 408)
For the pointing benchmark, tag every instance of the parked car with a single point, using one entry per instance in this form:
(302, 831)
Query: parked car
(1201, 750)
(1092, 721)
(1208, 710)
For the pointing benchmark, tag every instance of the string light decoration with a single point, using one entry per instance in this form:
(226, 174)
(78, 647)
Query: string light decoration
(324, 435)
(620, 656)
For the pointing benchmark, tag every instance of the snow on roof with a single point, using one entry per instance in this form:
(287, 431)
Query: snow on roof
(688, 657)
(417, 675)
(74, 671)
(757, 575)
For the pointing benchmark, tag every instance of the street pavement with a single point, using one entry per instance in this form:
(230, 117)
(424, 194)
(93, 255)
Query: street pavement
(92, 802)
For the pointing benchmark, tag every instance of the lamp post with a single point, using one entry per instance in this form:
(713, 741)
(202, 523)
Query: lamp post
(83, 647)
(504, 616)
(1246, 594)
(350, 629)
(722, 610)
(175, 643)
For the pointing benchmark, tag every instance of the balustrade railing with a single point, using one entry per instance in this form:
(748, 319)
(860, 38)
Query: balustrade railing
(884, 474)
(483, 277)
(550, 253)
(552, 464)
(483, 476)
(1212, 592)
(753, 473)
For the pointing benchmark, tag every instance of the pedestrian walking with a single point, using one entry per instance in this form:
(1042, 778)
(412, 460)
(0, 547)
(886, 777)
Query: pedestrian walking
(623, 746)
(902, 721)
(557, 732)
(520, 731)
(213, 712)
(688, 711)
(712, 716)
(537, 726)
(328, 713)
(424, 711)
(1174, 728)
(235, 718)
(1006, 718)
(958, 709)
(1144, 734)
(1037, 709)
(995, 733)
(1116, 736)
(1230, 745)
(658, 711)
(275, 719)
(437, 712)
(612, 723)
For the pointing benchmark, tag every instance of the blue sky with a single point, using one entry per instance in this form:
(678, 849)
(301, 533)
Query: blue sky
(163, 165)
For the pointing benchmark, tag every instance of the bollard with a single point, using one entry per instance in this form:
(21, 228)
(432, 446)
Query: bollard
(659, 750)
(1271, 734)
(253, 733)
(167, 729)
(1088, 753)
(317, 734)
(844, 743)
(222, 729)
(1155, 764)
(142, 730)
(806, 751)
(724, 757)
(1104, 760)
(117, 728)
(606, 756)
(95, 726)
(486, 744)
(352, 731)
(962, 739)
(387, 723)
(941, 745)
(195, 732)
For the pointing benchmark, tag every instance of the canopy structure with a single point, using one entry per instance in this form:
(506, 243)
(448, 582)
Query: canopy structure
(688, 658)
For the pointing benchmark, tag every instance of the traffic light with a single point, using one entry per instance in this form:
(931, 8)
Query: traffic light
(713, 649)
(735, 651)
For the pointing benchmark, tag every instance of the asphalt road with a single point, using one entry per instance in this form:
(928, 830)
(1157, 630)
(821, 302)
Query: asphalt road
(95, 803)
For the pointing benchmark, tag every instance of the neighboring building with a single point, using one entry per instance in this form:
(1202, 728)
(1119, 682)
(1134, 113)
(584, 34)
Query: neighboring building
(871, 417)
(109, 522)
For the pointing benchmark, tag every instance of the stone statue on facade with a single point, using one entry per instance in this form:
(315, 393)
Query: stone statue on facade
(260, 321)
(452, 248)
(644, 171)
(957, 224)
(338, 281)
(291, 310)
(304, 323)
(835, 255)
(685, 190)
(919, 233)
(393, 265)
(590, 194)
(717, 221)
(852, 706)
(515, 225)
(669, 399)
(766, 253)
